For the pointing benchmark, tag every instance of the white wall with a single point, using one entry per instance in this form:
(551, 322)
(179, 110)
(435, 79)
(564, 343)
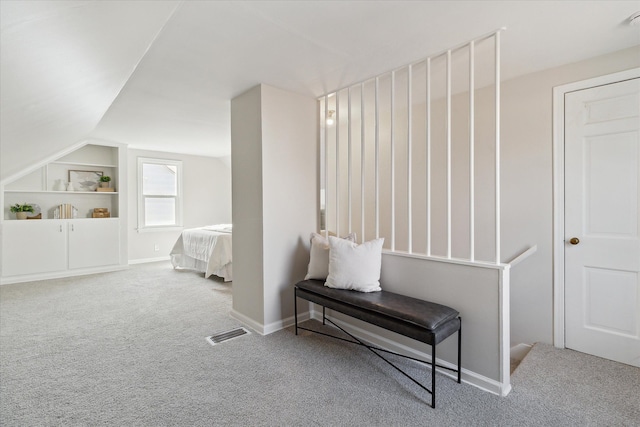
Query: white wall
(206, 196)
(473, 291)
(274, 167)
(289, 185)
(246, 160)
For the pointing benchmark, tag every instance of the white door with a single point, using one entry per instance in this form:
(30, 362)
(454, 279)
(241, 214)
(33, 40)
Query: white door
(94, 242)
(602, 248)
(33, 246)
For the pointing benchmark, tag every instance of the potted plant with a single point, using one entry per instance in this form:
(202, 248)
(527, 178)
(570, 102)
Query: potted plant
(104, 181)
(21, 210)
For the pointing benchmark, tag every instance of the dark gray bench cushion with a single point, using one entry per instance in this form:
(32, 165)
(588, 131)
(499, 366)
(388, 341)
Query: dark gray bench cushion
(422, 320)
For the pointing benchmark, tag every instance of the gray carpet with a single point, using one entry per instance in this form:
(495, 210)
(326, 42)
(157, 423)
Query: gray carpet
(128, 348)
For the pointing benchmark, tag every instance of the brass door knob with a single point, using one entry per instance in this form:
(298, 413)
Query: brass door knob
(574, 241)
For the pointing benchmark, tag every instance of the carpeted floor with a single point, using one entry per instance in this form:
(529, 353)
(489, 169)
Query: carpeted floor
(128, 348)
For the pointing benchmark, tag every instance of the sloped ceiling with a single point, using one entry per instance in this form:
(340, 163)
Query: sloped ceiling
(62, 65)
(160, 75)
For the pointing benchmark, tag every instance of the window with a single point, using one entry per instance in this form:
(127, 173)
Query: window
(159, 194)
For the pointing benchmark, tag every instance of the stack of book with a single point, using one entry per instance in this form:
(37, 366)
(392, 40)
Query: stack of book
(65, 211)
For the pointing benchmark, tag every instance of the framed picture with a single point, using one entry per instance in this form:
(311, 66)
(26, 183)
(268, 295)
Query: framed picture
(85, 180)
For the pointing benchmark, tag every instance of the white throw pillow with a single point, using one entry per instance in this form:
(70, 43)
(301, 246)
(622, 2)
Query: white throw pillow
(353, 266)
(319, 256)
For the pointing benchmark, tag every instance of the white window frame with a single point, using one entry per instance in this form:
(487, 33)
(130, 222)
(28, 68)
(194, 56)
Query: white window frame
(142, 227)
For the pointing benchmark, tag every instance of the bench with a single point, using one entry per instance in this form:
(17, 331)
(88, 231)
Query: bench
(424, 321)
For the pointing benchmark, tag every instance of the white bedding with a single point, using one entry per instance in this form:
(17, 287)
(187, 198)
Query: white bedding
(205, 249)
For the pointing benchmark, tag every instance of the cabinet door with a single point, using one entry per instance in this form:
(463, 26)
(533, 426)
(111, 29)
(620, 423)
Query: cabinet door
(33, 246)
(94, 242)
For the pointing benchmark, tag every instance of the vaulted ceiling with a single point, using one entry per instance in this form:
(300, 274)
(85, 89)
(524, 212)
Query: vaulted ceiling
(160, 75)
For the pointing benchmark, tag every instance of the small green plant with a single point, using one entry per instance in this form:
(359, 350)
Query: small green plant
(21, 208)
(105, 178)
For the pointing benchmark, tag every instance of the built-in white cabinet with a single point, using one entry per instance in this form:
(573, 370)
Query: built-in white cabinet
(33, 247)
(93, 242)
(36, 247)
(76, 243)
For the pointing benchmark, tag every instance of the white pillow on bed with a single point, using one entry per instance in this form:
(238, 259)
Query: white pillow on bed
(353, 266)
(319, 256)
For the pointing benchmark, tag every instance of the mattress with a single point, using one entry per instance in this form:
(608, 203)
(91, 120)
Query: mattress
(206, 250)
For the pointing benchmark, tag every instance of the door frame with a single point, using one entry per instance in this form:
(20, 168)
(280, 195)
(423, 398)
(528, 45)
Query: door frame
(559, 93)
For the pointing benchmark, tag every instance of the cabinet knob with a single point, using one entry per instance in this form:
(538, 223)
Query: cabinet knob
(60, 228)
(574, 241)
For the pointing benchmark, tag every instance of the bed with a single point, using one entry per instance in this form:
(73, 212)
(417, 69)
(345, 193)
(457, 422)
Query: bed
(206, 250)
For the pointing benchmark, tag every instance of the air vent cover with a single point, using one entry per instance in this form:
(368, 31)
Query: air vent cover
(221, 337)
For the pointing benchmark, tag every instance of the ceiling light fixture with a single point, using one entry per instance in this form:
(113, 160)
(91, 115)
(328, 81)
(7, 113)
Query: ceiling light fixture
(330, 120)
(634, 19)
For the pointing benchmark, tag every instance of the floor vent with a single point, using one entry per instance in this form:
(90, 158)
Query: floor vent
(221, 337)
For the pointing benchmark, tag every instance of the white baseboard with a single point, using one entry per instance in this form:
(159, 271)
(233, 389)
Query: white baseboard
(82, 272)
(271, 327)
(147, 260)
(248, 322)
(291, 321)
(285, 323)
(60, 274)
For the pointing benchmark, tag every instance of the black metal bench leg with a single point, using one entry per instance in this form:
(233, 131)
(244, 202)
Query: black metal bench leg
(460, 351)
(295, 307)
(433, 375)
